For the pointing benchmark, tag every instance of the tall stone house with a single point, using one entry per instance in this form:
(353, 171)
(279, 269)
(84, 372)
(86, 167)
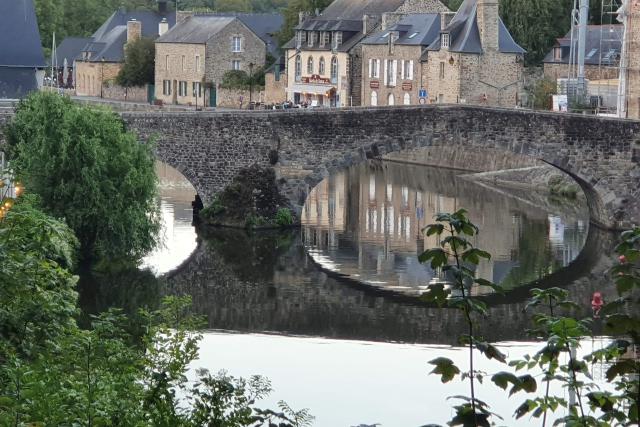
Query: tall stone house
(474, 60)
(602, 54)
(21, 59)
(392, 59)
(192, 58)
(102, 57)
(324, 59)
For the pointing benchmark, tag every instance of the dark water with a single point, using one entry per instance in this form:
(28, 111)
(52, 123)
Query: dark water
(328, 312)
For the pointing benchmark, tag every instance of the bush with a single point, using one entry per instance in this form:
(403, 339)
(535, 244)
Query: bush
(284, 217)
(139, 63)
(239, 79)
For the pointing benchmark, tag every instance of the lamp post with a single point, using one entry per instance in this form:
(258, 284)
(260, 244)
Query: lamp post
(250, 83)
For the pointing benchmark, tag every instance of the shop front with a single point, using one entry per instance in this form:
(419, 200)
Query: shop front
(313, 91)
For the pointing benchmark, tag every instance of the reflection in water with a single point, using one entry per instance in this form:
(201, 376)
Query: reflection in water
(178, 234)
(366, 223)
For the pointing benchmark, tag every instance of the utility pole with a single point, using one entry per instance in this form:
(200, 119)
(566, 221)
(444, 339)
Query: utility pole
(582, 45)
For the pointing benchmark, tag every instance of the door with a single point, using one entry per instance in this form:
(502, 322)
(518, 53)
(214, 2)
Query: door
(212, 96)
(151, 93)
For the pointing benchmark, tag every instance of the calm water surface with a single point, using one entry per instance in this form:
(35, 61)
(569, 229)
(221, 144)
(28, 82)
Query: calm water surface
(328, 312)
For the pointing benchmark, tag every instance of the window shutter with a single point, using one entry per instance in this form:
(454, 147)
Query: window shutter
(394, 72)
(386, 74)
(402, 68)
(377, 68)
(411, 70)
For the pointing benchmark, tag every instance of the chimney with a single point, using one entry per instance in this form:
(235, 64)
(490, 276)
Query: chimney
(162, 6)
(445, 19)
(301, 17)
(368, 23)
(488, 18)
(163, 26)
(134, 30)
(389, 19)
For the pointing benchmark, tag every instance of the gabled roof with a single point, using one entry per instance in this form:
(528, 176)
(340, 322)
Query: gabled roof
(70, 48)
(20, 44)
(355, 9)
(201, 27)
(107, 43)
(465, 35)
(603, 45)
(419, 29)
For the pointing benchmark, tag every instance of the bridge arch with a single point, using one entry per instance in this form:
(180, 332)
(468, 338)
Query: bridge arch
(601, 154)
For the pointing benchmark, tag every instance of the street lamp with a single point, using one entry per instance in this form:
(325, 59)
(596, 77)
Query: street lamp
(250, 83)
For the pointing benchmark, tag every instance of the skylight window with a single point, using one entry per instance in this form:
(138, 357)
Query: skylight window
(385, 35)
(413, 35)
(591, 53)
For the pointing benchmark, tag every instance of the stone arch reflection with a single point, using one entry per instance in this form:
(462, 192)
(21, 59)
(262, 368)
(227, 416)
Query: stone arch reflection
(178, 235)
(366, 223)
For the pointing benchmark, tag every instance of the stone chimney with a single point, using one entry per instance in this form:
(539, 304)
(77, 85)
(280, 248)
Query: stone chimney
(488, 18)
(302, 16)
(134, 30)
(163, 26)
(368, 23)
(389, 19)
(445, 19)
(162, 6)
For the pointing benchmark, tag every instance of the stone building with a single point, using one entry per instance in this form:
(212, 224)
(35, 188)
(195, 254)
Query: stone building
(275, 80)
(474, 60)
(102, 57)
(324, 59)
(602, 54)
(391, 59)
(192, 58)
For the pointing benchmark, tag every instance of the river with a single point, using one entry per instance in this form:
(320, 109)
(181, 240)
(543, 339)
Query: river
(329, 312)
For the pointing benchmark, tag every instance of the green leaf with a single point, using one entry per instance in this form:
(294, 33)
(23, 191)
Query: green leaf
(526, 407)
(503, 379)
(473, 255)
(445, 368)
(432, 229)
(436, 293)
(622, 367)
(491, 351)
(436, 256)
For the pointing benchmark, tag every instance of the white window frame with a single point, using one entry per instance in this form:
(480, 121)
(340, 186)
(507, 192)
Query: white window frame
(446, 40)
(310, 65)
(391, 100)
(374, 99)
(235, 64)
(298, 68)
(334, 69)
(166, 62)
(321, 66)
(236, 44)
(442, 66)
(376, 70)
(407, 99)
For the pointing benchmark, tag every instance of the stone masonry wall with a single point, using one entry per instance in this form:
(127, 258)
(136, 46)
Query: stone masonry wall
(129, 94)
(603, 155)
(90, 76)
(592, 72)
(230, 98)
(176, 62)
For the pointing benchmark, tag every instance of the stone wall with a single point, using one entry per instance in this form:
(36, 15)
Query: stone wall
(603, 155)
(91, 76)
(119, 93)
(238, 98)
(176, 62)
(592, 72)
(275, 90)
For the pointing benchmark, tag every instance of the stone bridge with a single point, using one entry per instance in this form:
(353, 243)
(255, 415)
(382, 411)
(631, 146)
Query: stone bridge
(601, 154)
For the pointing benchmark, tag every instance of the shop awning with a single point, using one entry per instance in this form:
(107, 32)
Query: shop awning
(310, 88)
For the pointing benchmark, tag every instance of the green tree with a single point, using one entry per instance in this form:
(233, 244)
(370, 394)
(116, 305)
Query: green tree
(139, 63)
(89, 170)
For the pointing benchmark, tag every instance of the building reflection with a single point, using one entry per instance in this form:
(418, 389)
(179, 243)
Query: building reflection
(367, 221)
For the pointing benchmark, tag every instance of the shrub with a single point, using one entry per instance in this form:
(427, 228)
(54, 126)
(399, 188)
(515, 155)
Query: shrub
(284, 217)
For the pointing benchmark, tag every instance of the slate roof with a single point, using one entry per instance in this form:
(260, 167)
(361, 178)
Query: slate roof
(20, 44)
(16, 82)
(419, 29)
(355, 9)
(70, 48)
(201, 27)
(465, 35)
(602, 42)
(108, 41)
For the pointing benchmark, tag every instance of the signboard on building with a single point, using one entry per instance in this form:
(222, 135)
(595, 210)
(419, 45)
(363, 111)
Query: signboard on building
(407, 86)
(374, 84)
(316, 79)
(422, 93)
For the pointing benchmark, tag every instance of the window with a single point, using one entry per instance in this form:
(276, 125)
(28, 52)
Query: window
(321, 66)
(196, 88)
(311, 38)
(407, 70)
(236, 44)
(442, 70)
(166, 62)
(374, 98)
(197, 62)
(407, 99)
(391, 71)
(391, 100)
(182, 88)
(334, 70)
(445, 40)
(299, 39)
(337, 40)
(235, 64)
(298, 68)
(413, 35)
(374, 68)
(310, 65)
(182, 62)
(557, 53)
(166, 87)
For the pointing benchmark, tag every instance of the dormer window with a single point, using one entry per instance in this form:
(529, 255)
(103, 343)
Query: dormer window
(321, 40)
(557, 53)
(299, 39)
(311, 36)
(445, 40)
(337, 40)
